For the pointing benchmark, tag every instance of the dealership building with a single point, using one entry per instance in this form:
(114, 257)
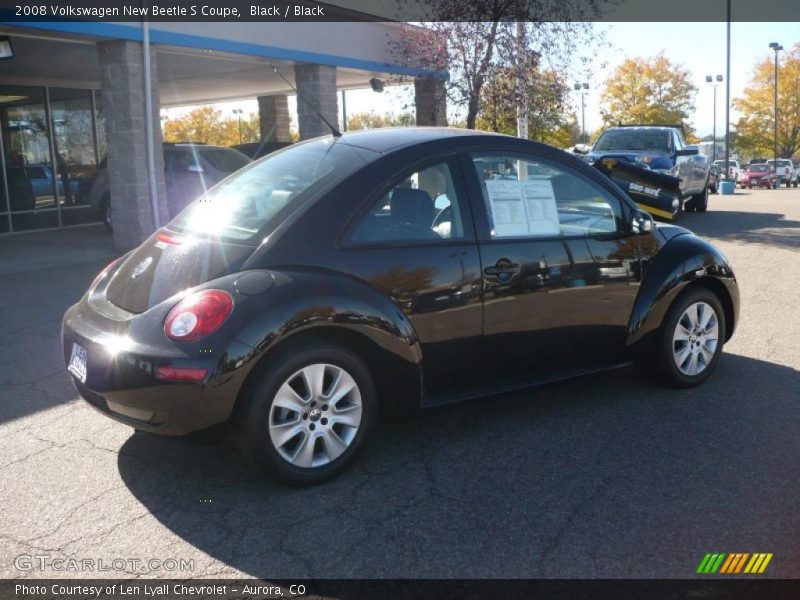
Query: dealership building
(78, 97)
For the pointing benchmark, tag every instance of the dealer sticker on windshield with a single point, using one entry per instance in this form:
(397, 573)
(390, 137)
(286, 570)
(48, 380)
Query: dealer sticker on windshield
(77, 362)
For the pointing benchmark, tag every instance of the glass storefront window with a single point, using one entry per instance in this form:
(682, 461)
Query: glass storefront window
(73, 140)
(49, 167)
(26, 148)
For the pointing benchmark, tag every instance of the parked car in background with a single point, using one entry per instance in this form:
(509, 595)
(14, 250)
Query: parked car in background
(256, 150)
(189, 170)
(713, 178)
(757, 175)
(734, 169)
(785, 171)
(384, 271)
(662, 149)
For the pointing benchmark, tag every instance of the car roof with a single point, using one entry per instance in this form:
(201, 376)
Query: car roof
(392, 138)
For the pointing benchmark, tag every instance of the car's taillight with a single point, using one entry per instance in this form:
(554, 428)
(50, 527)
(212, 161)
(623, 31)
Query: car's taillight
(198, 315)
(103, 273)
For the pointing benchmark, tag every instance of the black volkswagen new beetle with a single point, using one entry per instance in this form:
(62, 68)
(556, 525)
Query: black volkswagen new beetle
(383, 271)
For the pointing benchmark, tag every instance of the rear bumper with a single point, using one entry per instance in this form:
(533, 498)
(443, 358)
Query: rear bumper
(123, 386)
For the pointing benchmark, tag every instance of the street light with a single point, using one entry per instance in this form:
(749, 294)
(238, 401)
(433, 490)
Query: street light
(582, 87)
(714, 83)
(238, 112)
(777, 48)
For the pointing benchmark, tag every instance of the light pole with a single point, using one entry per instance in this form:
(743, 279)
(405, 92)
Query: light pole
(238, 112)
(714, 83)
(582, 87)
(777, 48)
(728, 96)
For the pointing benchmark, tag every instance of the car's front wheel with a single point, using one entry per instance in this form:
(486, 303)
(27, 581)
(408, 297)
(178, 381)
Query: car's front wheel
(690, 340)
(308, 414)
(699, 202)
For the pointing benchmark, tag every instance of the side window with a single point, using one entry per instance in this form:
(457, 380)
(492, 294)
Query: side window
(529, 198)
(421, 207)
(677, 141)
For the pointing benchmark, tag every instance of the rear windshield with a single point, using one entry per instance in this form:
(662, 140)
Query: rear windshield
(258, 197)
(226, 160)
(634, 139)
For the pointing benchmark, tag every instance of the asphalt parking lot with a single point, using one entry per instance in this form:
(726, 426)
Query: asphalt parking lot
(606, 476)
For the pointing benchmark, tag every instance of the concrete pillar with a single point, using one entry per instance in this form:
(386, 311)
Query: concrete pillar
(430, 98)
(122, 85)
(274, 121)
(316, 92)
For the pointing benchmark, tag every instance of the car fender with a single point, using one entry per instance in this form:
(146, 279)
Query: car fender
(684, 260)
(278, 306)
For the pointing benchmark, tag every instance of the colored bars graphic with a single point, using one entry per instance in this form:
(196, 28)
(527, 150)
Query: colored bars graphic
(720, 562)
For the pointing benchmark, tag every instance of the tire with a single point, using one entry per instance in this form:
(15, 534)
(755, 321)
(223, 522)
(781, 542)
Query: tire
(309, 436)
(699, 202)
(105, 212)
(700, 361)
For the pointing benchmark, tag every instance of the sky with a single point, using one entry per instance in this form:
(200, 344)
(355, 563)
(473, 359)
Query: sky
(698, 47)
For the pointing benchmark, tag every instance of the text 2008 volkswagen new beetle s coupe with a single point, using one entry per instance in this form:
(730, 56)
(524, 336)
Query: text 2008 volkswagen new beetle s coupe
(381, 271)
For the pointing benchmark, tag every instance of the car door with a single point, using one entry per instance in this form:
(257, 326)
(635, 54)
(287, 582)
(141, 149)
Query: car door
(415, 241)
(560, 269)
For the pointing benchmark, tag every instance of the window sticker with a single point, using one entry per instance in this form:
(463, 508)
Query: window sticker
(525, 207)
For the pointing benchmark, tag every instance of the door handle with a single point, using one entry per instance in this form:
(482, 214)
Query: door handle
(504, 270)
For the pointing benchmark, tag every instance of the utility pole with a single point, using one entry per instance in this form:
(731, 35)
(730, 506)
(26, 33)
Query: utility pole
(344, 112)
(238, 112)
(582, 87)
(522, 107)
(714, 83)
(728, 99)
(777, 48)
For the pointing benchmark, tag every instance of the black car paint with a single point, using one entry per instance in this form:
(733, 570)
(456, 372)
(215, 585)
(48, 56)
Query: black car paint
(424, 317)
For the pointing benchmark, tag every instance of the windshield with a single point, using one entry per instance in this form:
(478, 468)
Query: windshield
(634, 139)
(759, 168)
(249, 201)
(226, 160)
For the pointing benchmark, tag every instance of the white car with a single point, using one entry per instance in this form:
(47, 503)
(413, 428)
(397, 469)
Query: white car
(734, 171)
(786, 172)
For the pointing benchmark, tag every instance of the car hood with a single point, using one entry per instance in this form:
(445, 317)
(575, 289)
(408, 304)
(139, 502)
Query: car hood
(168, 263)
(630, 155)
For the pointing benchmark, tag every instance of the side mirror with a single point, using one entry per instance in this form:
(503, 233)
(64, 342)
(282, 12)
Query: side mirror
(580, 150)
(641, 222)
(688, 151)
(195, 168)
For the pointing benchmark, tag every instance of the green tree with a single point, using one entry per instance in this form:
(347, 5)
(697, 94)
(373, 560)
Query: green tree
(472, 40)
(648, 91)
(546, 94)
(756, 133)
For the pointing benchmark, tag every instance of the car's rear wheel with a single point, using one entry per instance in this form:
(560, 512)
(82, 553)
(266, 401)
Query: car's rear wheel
(690, 340)
(308, 414)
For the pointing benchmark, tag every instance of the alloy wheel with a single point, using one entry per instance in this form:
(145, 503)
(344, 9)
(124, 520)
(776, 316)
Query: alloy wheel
(695, 339)
(315, 415)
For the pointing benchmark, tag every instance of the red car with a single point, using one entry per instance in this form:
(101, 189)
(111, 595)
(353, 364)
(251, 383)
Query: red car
(757, 175)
